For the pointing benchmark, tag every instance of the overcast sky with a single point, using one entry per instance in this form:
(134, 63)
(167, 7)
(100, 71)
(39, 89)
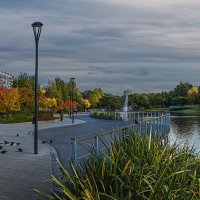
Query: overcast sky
(144, 46)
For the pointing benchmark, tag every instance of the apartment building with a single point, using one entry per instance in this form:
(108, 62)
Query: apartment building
(6, 79)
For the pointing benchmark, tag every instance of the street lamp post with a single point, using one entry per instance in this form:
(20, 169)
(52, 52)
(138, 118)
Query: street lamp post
(37, 27)
(72, 81)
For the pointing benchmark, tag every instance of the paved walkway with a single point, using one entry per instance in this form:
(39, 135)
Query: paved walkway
(20, 172)
(61, 136)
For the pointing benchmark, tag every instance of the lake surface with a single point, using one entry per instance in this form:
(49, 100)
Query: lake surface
(186, 129)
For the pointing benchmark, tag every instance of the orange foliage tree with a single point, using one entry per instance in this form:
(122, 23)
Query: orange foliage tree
(2, 106)
(68, 104)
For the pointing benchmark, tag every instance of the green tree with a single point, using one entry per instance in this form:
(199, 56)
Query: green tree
(61, 87)
(110, 102)
(179, 101)
(24, 81)
(168, 98)
(159, 99)
(78, 98)
(53, 92)
(182, 89)
(138, 100)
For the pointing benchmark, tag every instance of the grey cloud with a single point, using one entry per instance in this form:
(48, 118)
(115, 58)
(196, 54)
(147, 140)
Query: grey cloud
(140, 71)
(91, 73)
(124, 47)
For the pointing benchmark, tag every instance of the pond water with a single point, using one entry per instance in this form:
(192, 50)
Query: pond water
(186, 129)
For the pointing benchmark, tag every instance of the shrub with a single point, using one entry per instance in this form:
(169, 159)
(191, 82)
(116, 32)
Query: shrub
(17, 118)
(104, 115)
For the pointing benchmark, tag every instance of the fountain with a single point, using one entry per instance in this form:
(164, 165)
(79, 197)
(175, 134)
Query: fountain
(125, 108)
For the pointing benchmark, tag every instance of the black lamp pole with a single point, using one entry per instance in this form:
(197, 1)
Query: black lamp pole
(72, 80)
(37, 27)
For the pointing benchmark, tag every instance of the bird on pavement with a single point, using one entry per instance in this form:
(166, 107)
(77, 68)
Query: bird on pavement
(4, 151)
(12, 143)
(136, 121)
(17, 135)
(18, 143)
(20, 150)
(51, 141)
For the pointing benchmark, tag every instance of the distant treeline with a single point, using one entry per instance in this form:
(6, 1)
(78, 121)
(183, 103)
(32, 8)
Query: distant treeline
(56, 96)
(182, 94)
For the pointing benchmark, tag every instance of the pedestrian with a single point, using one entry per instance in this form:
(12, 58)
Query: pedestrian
(61, 115)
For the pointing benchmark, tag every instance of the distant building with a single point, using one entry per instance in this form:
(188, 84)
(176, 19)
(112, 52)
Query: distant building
(6, 79)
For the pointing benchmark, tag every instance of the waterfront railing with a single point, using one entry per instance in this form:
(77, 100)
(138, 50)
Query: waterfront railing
(151, 123)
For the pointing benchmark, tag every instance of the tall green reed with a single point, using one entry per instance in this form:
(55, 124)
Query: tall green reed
(135, 167)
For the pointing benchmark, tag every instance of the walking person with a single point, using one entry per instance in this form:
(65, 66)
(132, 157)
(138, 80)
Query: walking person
(61, 115)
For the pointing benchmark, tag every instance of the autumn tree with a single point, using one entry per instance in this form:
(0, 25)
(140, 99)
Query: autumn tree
(10, 101)
(26, 99)
(86, 104)
(2, 103)
(67, 106)
(46, 103)
(193, 95)
(3, 90)
(51, 103)
(93, 96)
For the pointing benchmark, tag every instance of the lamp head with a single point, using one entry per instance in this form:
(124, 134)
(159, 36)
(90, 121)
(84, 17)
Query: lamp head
(37, 27)
(72, 79)
(37, 24)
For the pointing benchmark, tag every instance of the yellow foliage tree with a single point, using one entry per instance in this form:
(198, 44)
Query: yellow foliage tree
(86, 104)
(51, 103)
(193, 95)
(26, 97)
(45, 102)
(10, 101)
(43, 91)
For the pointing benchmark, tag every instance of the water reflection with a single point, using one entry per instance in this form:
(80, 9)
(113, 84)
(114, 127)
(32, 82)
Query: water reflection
(186, 129)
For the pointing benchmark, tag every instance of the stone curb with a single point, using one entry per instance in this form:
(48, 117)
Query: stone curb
(54, 164)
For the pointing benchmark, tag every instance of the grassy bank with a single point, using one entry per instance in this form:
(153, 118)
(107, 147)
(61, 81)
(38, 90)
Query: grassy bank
(134, 168)
(192, 111)
(156, 109)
